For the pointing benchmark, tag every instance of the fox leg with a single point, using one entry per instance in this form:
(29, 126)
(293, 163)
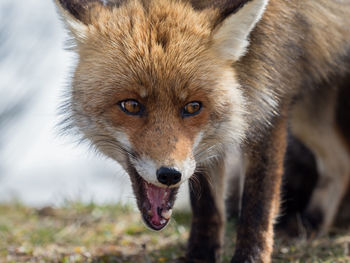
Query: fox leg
(261, 195)
(208, 222)
(314, 123)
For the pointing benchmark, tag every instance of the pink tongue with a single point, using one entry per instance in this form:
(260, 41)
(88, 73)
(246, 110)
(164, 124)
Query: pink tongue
(156, 196)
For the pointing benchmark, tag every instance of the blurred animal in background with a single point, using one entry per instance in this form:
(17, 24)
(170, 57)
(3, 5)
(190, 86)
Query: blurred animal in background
(299, 180)
(301, 176)
(167, 88)
(316, 179)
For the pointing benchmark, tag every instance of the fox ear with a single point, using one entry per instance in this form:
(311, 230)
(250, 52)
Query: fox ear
(78, 13)
(237, 20)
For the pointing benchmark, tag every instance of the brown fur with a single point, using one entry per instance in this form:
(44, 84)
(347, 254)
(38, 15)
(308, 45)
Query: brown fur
(165, 54)
(255, 233)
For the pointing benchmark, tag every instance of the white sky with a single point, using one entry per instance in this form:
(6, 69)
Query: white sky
(38, 166)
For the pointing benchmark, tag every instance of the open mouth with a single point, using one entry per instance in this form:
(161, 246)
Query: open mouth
(155, 203)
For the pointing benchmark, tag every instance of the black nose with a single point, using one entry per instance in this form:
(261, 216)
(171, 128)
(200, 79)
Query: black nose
(168, 176)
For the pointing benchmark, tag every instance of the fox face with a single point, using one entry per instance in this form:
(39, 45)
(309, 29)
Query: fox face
(155, 90)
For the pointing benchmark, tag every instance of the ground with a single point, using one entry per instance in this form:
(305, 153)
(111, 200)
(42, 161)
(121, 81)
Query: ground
(115, 234)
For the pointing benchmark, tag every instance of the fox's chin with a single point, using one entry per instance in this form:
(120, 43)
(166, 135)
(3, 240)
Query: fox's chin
(155, 203)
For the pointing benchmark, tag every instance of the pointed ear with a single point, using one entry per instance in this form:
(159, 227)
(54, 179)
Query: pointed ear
(231, 35)
(78, 13)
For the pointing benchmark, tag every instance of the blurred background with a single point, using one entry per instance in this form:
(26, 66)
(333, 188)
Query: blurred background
(38, 166)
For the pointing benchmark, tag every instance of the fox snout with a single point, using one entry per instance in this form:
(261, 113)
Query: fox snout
(164, 175)
(168, 176)
(157, 169)
(163, 151)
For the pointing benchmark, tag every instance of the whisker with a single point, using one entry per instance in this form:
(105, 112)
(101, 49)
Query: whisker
(111, 144)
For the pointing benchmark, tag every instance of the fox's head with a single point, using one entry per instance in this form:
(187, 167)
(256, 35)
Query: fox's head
(155, 89)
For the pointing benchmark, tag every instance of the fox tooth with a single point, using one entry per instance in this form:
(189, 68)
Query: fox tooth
(167, 213)
(162, 221)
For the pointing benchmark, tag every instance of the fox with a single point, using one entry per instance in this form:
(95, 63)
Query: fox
(171, 88)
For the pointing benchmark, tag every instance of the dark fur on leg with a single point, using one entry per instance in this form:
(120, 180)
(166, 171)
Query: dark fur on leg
(260, 202)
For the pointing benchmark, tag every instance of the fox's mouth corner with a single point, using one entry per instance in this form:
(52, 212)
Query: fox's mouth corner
(155, 203)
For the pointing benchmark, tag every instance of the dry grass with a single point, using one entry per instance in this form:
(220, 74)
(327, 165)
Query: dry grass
(114, 233)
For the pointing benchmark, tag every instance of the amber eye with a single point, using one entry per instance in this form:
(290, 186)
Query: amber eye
(131, 107)
(191, 109)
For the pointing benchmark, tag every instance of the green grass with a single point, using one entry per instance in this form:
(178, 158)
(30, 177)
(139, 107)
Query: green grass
(80, 232)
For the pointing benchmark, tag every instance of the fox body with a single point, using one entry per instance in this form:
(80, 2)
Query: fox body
(167, 87)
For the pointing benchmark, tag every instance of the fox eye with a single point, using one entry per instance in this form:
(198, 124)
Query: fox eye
(132, 107)
(191, 109)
